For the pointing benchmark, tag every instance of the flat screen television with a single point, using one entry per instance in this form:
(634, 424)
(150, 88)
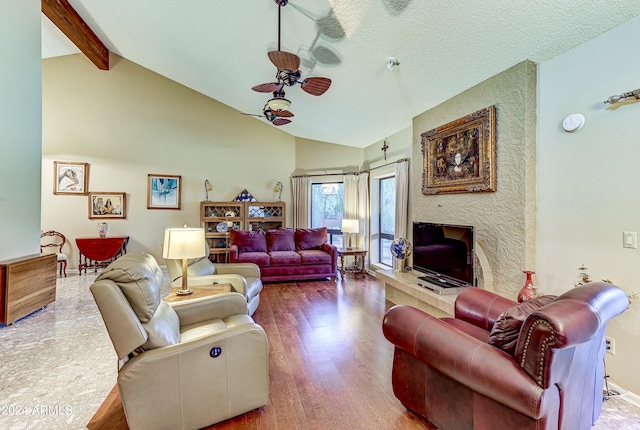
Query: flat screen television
(444, 253)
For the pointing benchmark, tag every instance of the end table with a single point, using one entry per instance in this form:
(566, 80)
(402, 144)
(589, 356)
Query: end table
(358, 265)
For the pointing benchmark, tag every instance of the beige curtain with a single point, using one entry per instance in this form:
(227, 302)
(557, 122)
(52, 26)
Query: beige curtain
(402, 203)
(301, 193)
(364, 214)
(356, 206)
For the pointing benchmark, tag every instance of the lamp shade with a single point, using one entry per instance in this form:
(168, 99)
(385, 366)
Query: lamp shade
(350, 226)
(182, 243)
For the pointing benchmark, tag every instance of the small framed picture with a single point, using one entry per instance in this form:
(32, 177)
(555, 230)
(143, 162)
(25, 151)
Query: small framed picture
(70, 177)
(107, 205)
(163, 191)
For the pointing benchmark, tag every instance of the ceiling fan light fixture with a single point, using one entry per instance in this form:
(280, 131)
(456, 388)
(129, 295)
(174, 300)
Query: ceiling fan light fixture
(279, 103)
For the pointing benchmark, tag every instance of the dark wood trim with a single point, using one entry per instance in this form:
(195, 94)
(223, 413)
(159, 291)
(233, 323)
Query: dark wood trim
(64, 16)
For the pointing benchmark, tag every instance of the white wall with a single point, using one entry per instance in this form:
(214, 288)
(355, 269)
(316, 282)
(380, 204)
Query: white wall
(20, 128)
(504, 220)
(588, 180)
(129, 122)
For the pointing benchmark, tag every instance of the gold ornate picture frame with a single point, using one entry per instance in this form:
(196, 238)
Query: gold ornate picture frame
(460, 157)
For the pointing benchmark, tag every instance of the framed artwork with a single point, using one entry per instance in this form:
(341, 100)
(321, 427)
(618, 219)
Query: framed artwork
(460, 157)
(70, 177)
(107, 205)
(163, 191)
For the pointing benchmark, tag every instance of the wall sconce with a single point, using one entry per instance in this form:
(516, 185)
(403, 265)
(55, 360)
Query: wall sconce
(278, 189)
(207, 187)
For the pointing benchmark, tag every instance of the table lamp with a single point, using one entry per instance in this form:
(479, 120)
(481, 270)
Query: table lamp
(350, 226)
(182, 244)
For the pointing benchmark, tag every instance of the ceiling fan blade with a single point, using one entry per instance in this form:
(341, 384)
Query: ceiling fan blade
(284, 60)
(252, 114)
(283, 114)
(267, 88)
(316, 86)
(280, 121)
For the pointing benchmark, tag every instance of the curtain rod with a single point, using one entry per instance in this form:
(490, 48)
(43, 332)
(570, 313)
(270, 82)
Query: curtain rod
(352, 173)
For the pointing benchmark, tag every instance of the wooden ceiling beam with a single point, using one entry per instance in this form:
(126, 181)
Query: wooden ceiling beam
(65, 17)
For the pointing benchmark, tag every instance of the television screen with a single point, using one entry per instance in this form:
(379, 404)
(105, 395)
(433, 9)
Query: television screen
(444, 253)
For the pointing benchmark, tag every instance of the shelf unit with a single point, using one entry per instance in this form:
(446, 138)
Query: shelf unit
(214, 217)
(265, 216)
(254, 216)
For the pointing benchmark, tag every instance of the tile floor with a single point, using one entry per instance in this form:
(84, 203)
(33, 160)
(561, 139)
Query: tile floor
(58, 365)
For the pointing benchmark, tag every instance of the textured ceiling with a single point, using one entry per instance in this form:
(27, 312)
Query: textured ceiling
(220, 49)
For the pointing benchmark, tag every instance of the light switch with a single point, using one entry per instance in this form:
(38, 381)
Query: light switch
(629, 239)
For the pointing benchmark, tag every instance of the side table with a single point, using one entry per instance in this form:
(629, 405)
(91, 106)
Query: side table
(99, 252)
(198, 292)
(358, 265)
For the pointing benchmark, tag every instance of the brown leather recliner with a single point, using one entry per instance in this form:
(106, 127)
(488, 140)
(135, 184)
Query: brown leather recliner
(445, 369)
(186, 365)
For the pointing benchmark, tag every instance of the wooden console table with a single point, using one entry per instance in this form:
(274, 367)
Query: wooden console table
(99, 252)
(358, 265)
(26, 285)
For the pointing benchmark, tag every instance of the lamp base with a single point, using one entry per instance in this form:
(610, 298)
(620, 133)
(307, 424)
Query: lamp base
(184, 292)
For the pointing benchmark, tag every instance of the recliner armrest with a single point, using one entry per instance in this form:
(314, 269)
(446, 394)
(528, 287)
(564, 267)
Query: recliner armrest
(463, 358)
(248, 270)
(219, 306)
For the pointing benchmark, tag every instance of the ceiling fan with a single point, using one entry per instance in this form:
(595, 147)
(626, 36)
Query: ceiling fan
(288, 74)
(276, 118)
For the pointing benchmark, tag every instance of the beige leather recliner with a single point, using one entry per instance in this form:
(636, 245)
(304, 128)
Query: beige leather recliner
(187, 365)
(244, 277)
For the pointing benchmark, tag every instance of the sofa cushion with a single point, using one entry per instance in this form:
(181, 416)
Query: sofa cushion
(505, 331)
(280, 240)
(310, 238)
(313, 256)
(248, 241)
(284, 258)
(259, 258)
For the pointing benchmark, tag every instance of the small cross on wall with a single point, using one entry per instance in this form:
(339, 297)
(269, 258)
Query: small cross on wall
(384, 149)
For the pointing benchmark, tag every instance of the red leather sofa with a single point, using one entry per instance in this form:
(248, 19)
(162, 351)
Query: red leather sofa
(286, 254)
(459, 374)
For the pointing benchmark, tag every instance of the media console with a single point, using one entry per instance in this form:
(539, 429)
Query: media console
(439, 285)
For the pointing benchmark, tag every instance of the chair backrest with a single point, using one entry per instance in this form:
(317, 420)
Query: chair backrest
(195, 267)
(52, 241)
(127, 293)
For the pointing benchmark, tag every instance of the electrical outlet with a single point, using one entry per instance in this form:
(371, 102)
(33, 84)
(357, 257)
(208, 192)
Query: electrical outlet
(611, 345)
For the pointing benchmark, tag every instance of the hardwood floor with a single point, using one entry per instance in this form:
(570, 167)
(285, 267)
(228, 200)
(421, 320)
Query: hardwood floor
(330, 365)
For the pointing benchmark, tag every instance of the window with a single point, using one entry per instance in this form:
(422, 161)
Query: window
(387, 216)
(327, 209)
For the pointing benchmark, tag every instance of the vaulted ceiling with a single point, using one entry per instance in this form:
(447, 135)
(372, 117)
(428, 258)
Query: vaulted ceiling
(220, 49)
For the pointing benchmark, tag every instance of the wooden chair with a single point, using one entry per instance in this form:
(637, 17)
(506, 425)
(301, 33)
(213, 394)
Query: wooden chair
(53, 243)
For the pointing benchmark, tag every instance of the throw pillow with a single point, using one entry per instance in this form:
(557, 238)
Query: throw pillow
(248, 241)
(280, 240)
(310, 238)
(505, 331)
